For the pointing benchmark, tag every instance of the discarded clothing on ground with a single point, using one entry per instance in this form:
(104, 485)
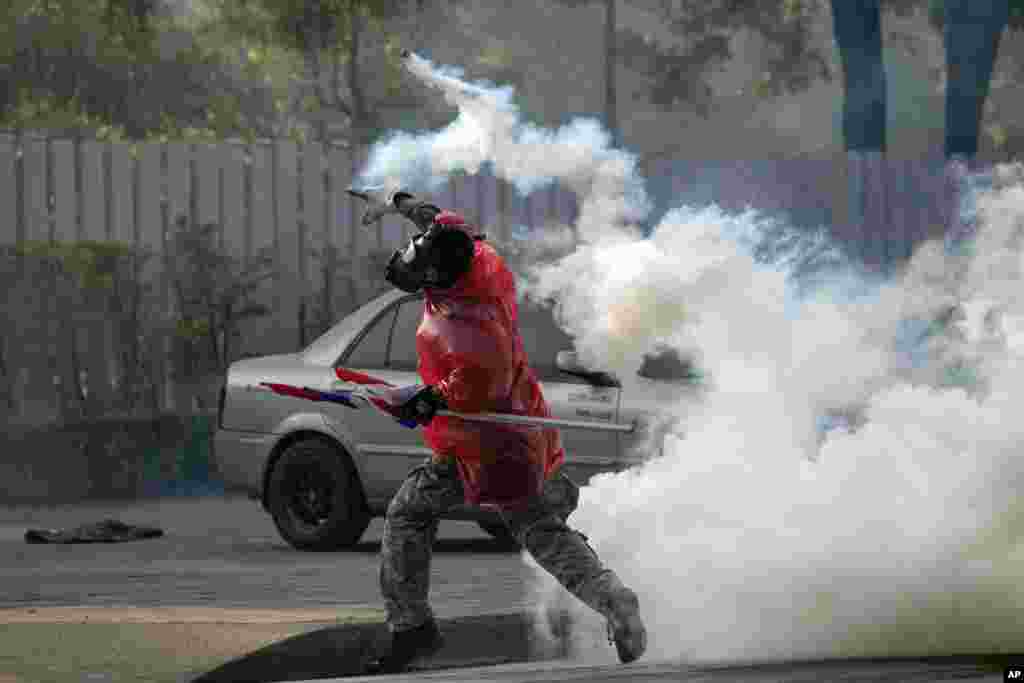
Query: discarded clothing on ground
(107, 531)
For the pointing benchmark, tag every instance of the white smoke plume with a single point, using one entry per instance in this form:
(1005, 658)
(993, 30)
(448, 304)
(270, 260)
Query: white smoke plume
(489, 129)
(749, 537)
(898, 538)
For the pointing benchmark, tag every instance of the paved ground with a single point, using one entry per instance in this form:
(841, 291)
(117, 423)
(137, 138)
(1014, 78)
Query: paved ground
(225, 557)
(227, 553)
(224, 561)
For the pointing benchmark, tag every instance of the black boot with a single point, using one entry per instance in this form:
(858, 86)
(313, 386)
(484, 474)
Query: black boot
(406, 646)
(625, 629)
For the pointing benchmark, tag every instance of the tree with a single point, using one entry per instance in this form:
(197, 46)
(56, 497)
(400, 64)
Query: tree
(791, 61)
(611, 95)
(679, 74)
(611, 42)
(213, 293)
(346, 66)
(118, 68)
(84, 307)
(858, 33)
(972, 31)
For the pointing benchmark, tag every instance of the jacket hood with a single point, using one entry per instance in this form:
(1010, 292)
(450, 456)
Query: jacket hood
(488, 278)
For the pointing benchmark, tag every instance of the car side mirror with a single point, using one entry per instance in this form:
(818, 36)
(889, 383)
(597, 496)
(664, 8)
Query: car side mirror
(569, 363)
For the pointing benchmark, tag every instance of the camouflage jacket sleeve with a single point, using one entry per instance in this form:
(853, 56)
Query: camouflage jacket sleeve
(420, 213)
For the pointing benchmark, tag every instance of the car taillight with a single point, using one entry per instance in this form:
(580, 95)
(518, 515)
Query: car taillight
(220, 406)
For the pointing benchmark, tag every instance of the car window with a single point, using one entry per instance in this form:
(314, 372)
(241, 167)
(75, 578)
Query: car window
(326, 348)
(403, 339)
(372, 350)
(542, 340)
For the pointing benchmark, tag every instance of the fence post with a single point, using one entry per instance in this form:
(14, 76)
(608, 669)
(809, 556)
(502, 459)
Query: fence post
(9, 238)
(9, 191)
(95, 331)
(260, 201)
(288, 290)
(34, 189)
(206, 160)
(341, 229)
(121, 209)
(360, 235)
(315, 234)
(65, 204)
(179, 205)
(149, 238)
(34, 186)
(480, 193)
(232, 206)
(92, 191)
(501, 195)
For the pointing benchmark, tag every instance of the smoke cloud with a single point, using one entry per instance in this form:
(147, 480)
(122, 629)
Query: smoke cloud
(489, 129)
(751, 535)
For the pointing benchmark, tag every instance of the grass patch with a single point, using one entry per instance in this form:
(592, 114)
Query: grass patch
(145, 652)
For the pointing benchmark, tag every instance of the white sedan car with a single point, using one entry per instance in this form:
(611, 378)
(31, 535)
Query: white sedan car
(324, 470)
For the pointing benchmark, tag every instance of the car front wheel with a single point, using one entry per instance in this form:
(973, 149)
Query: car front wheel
(315, 498)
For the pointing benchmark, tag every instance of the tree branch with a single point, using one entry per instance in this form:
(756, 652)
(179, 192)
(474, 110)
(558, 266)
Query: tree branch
(339, 102)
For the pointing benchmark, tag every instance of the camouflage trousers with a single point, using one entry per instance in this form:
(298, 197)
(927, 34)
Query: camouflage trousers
(410, 527)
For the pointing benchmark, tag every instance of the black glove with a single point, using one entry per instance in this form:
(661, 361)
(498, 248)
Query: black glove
(422, 407)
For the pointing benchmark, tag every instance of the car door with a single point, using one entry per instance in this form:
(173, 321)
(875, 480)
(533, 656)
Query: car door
(389, 449)
(587, 452)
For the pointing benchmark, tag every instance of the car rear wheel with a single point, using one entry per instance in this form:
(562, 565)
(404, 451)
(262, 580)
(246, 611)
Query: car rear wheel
(315, 498)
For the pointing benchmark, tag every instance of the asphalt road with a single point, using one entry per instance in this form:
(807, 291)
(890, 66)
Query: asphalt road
(225, 552)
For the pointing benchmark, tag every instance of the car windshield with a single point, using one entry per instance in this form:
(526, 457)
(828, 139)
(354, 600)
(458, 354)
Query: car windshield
(326, 348)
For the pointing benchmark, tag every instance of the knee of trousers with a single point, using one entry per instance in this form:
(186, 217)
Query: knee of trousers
(401, 516)
(550, 534)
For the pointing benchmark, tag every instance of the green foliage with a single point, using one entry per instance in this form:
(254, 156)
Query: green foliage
(937, 11)
(213, 292)
(679, 75)
(249, 69)
(48, 112)
(192, 329)
(337, 272)
(1017, 15)
(55, 294)
(328, 62)
(92, 265)
(303, 25)
(118, 69)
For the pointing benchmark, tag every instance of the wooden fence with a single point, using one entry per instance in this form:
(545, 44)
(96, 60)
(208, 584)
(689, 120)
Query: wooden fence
(274, 193)
(292, 198)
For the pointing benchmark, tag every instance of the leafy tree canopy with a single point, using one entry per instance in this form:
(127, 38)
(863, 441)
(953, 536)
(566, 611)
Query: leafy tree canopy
(680, 74)
(117, 68)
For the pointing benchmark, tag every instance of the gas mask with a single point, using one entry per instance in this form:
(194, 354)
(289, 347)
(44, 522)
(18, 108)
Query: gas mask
(435, 258)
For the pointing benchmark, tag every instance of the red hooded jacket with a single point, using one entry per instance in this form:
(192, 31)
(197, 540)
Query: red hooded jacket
(470, 350)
